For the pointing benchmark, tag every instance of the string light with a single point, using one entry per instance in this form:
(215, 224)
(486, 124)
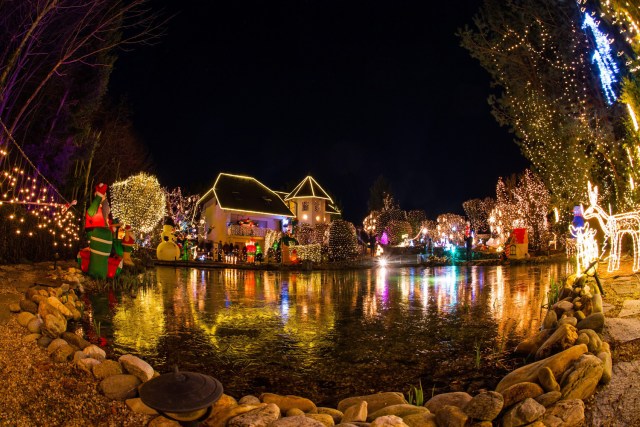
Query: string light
(603, 59)
(138, 201)
(342, 240)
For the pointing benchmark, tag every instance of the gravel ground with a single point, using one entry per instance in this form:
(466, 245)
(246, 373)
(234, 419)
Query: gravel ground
(34, 391)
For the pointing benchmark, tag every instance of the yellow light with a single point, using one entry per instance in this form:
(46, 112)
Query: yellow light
(305, 217)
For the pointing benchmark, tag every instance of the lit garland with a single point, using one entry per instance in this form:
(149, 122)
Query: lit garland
(138, 201)
(478, 212)
(312, 252)
(614, 228)
(183, 210)
(342, 240)
(603, 59)
(586, 246)
(31, 203)
(450, 229)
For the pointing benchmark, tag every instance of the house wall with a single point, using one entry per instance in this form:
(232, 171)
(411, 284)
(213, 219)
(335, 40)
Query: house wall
(315, 212)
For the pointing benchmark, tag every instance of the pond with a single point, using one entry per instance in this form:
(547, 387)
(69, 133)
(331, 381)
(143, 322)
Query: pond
(327, 335)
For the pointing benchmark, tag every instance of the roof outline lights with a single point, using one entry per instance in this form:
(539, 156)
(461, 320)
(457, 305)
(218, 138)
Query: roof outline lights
(313, 182)
(243, 210)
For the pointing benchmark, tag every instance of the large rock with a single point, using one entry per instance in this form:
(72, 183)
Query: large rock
(31, 337)
(356, 412)
(14, 307)
(287, 402)
(593, 321)
(259, 417)
(55, 344)
(29, 306)
(136, 366)
(63, 354)
(374, 401)
(136, 405)
(55, 302)
(388, 421)
(451, 416)
(119, 387)
(35, 325)
(550, 320)
(106, 369)
(75, 339)
(561, 306)
(549, 398)
(607, 367)
(298, 421)
(484, 406)
(24, 318)
(95, 352)
(250, 399)
(87, 364)
(570, 320)
(420, 420)
(583, 378)
(220, 416)
(594, 342)
(547, 380)
(523, 413)
(456, 398)
(325, 419)
(531, 345)
(334, 413)
(401, 410)
(558, 363)
(566, 413)
(53, 325)
(596, 300)
(521, 391)
(563, 338)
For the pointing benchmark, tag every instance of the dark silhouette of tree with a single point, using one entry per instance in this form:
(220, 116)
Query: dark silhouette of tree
(377, 193)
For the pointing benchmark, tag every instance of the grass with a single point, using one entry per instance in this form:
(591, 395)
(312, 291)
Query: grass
(553, 294)
(415, 395)
(478, 358)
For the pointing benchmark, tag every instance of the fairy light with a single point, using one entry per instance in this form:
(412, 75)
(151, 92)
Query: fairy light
(342, 240)
(138, 201)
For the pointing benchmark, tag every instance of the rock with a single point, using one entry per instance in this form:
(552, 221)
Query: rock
(31, 337)
(220, 417)
(136, 405)
(583, 378)
(356, 412)
(388, 421)
(294, 411)
(75, 340)
(119, 387)
(44, 341)
(64, 288)
(325, 419)
(53, 325)
(162, 422)
(35, 325)
(136, 366)
(566, 413)
(53, 346)
(374, 401)
(259, 417)
(607, 367)
(335, 414)
(596, 301)
(298, 421)
(594, 321)
(484, 406)
(562, 306)
(30, 293)
(550, 320)
(549, 398)
(521, 391)
(558, 363)
(55, 302)
(250, 399)
(456, 398)
(63, 354)
(568, 321)
(563, 338)
(547, 380)
(79, 355)
(107, 369)
(523, 413)
(623, 330)
(24, 318)
(400, 410)
(420, 420)
(287, 402)
(95, 352)
(595, 342)
(531, 345)
(87, 364)
(28, 306)
(451, 416)
(75, 313)
(38, 299)
(14, 307)
(579, 315)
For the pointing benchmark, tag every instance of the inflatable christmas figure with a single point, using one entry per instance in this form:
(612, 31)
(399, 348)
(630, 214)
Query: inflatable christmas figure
(127, 245)
(251, 251)
(96, 260)
(168, 250)
(117, 247)
(259, 254)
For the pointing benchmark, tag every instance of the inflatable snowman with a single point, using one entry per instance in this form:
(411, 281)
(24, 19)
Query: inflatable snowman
(168, 250)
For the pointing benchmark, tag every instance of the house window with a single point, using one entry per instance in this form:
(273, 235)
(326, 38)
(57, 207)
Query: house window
(305, 206)
(316, 206)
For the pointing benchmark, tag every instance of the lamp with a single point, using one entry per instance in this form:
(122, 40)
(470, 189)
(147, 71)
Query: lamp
(185, 397)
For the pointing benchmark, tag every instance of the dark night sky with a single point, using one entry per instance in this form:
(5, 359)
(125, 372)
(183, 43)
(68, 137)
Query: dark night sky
(342, 90)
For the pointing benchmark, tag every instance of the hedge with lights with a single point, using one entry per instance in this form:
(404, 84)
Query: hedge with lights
(312, 252)
(139, 201)
(342, 240)
(397, 229)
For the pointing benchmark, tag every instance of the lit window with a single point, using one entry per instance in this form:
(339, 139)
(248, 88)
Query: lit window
(305, 206)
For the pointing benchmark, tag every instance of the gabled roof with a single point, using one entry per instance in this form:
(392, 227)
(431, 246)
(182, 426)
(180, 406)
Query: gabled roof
(332, 210)
(245, 194)
(308, 187)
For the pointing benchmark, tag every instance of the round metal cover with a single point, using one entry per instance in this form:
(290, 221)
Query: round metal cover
(180, 391)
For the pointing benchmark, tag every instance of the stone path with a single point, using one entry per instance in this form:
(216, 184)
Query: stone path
(618, 403)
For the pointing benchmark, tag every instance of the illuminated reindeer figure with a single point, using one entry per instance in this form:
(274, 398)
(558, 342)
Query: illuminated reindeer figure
(614, 227)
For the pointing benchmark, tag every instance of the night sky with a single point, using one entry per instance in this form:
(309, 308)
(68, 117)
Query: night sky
(342, 90)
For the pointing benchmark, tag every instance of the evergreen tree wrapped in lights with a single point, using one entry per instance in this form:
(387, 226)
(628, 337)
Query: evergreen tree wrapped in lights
(478, 212)
(342, 240)
(139, 201)
(397, 229)
(451, 228)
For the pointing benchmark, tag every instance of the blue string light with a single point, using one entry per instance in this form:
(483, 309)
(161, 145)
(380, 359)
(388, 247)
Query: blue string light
(603, 59)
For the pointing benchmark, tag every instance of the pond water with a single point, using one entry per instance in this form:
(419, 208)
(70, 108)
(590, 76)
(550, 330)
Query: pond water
(327, 335)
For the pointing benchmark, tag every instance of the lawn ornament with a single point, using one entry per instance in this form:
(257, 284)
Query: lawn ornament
(168, 250)
(94, 260)
(614, 228)
(127, 245)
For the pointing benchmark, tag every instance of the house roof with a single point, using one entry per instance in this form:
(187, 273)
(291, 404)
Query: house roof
(308, 187)
(331, 209)
(245, 194)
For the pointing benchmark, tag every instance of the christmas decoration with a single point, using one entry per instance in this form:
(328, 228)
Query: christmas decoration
(139, 201)
(127, 244)
(168, 250)
(342, 240)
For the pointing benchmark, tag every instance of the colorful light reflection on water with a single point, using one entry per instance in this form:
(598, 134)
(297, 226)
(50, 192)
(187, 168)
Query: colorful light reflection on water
(329, 334)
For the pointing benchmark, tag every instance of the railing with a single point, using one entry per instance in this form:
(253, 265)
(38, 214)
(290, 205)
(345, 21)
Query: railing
(240, 230)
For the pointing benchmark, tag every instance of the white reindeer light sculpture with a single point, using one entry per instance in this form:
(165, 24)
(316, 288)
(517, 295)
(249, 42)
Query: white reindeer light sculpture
(614, 228)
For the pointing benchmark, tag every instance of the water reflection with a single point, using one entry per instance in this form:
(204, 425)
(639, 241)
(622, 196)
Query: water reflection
(327, 334)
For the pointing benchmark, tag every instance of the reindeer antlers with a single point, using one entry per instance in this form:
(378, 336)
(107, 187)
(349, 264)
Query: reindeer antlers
(593, 193)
